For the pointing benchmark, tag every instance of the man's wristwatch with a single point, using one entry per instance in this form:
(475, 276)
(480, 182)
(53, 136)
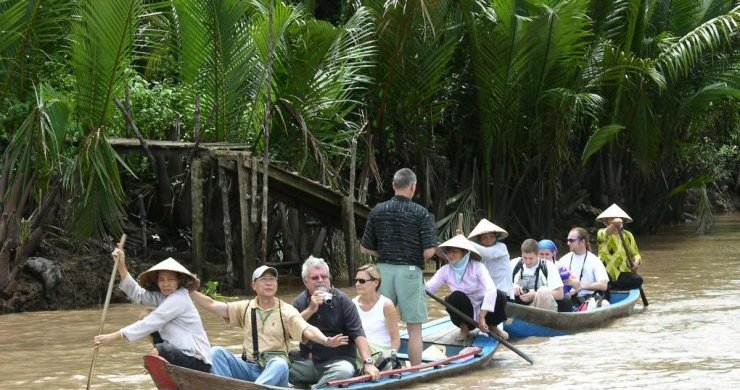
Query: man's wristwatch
(369, 361)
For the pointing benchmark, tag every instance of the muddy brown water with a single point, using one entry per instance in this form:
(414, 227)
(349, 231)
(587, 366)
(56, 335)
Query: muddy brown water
(688, 338)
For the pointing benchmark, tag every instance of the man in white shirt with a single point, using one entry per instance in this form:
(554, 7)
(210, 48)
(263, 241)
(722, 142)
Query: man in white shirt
(536, 281)
(588, 274)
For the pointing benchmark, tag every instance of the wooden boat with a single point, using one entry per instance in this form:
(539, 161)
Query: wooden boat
(527, 321)
(443, 357)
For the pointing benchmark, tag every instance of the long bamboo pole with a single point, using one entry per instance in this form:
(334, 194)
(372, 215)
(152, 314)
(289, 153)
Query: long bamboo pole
(105, 310)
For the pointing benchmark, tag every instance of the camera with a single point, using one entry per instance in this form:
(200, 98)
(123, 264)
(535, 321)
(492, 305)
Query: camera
(525, 290)
(327, 295)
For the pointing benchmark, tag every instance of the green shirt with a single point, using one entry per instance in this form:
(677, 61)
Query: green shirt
(612, 253)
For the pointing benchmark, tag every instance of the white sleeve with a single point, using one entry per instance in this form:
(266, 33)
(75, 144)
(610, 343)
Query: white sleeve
(599, 270)
(553, 276)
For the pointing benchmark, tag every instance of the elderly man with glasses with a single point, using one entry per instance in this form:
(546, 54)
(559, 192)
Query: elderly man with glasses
(268, 322)
(333, 312)
(588, 274)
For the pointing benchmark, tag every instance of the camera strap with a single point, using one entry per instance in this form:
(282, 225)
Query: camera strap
(255, 344)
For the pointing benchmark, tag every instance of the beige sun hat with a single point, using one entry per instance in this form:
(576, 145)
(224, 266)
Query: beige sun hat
(148, 278)
(486, 226)
(613, 211)
(459, 241)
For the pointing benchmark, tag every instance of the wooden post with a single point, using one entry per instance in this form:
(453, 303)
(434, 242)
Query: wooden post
(253, 191)
(248, 264)
(196, 194)
(224, 182)
(348, 226)
(142, 221)
(348, 217)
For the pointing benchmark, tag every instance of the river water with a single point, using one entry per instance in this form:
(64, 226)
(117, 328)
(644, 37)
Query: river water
(688, 338)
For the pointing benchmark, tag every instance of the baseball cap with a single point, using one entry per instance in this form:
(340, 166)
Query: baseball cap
(261, 271)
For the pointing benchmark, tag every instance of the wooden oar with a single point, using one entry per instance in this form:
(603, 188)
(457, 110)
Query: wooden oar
(631, 263)
(105, 310)
(474, 324)
(465, 353)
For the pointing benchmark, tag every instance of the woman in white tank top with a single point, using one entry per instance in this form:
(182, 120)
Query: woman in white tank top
(378, 315)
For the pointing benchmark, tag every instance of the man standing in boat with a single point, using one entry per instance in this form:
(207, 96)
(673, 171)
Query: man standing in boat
(614, 242)
(589, 272)
(402, 234)
(268, 322)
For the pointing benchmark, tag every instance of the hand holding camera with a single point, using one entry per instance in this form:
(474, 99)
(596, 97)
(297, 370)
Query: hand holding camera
(326, 295)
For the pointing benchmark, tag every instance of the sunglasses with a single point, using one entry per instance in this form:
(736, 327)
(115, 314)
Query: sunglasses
(572, 240)
(362, 281)
(319, 277)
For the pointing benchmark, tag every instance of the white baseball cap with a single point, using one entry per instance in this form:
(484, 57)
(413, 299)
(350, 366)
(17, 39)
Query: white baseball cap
(261, 271)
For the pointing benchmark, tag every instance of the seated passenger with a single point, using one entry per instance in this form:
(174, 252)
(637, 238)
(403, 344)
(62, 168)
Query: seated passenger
(590, 274)
(549, 251)
(472, 289)
(494, 255)
(268, 323)
(378, 315)
(183, 341)
(333, 312)
(536, 281)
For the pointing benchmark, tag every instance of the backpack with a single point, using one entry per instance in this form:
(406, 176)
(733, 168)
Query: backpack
(540, 267)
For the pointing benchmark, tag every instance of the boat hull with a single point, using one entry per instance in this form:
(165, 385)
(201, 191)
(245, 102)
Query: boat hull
(527, 321)
(439, 343)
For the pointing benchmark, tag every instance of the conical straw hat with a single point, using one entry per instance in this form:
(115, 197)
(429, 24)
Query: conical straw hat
(486, 226)
(459, 241)
(148, 278)
(613, 211)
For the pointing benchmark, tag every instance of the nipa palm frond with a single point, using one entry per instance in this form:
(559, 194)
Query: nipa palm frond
(679, 59)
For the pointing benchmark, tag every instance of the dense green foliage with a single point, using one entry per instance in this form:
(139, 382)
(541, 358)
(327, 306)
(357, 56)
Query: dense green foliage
(529, 110)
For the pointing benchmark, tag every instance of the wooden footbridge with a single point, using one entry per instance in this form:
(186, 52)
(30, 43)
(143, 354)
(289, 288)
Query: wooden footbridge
(333, 209)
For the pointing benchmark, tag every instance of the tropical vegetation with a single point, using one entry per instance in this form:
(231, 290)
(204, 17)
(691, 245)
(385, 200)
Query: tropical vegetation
(528, 112)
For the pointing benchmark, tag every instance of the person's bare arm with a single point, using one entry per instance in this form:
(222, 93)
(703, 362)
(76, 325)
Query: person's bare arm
(314, 334)
(600, 285)
(429, 253)
(210, 304)
(557, 293)
(369, 251)
(364, 350)
(121, 255)
(391, 323)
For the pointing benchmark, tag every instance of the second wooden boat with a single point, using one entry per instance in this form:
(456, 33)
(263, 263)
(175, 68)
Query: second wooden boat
(525, 321)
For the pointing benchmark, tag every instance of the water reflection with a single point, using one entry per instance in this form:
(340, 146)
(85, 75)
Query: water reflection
(686, 339)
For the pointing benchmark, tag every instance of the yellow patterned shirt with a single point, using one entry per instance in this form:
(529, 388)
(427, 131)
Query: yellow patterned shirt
(612, 253)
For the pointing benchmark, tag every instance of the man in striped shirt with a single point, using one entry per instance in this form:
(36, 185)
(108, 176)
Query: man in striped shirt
(402, 234)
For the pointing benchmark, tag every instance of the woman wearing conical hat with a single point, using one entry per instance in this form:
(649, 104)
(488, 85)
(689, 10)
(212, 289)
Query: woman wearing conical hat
(166, 287)
(495, 256)
(613, 251)
(472, 289)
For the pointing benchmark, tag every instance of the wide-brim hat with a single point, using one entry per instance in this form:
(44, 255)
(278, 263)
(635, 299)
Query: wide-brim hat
(148, 278)
(486, 226)
(613, 211)
(459, 241)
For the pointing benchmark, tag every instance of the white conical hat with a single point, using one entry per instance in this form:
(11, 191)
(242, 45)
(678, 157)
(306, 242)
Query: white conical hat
(613, 211)
(486, 226)
(459, 241)
(149, 277)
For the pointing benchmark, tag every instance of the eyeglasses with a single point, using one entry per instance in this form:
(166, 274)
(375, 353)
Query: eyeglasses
(572, 240)
(362, 281)
(319, 277)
